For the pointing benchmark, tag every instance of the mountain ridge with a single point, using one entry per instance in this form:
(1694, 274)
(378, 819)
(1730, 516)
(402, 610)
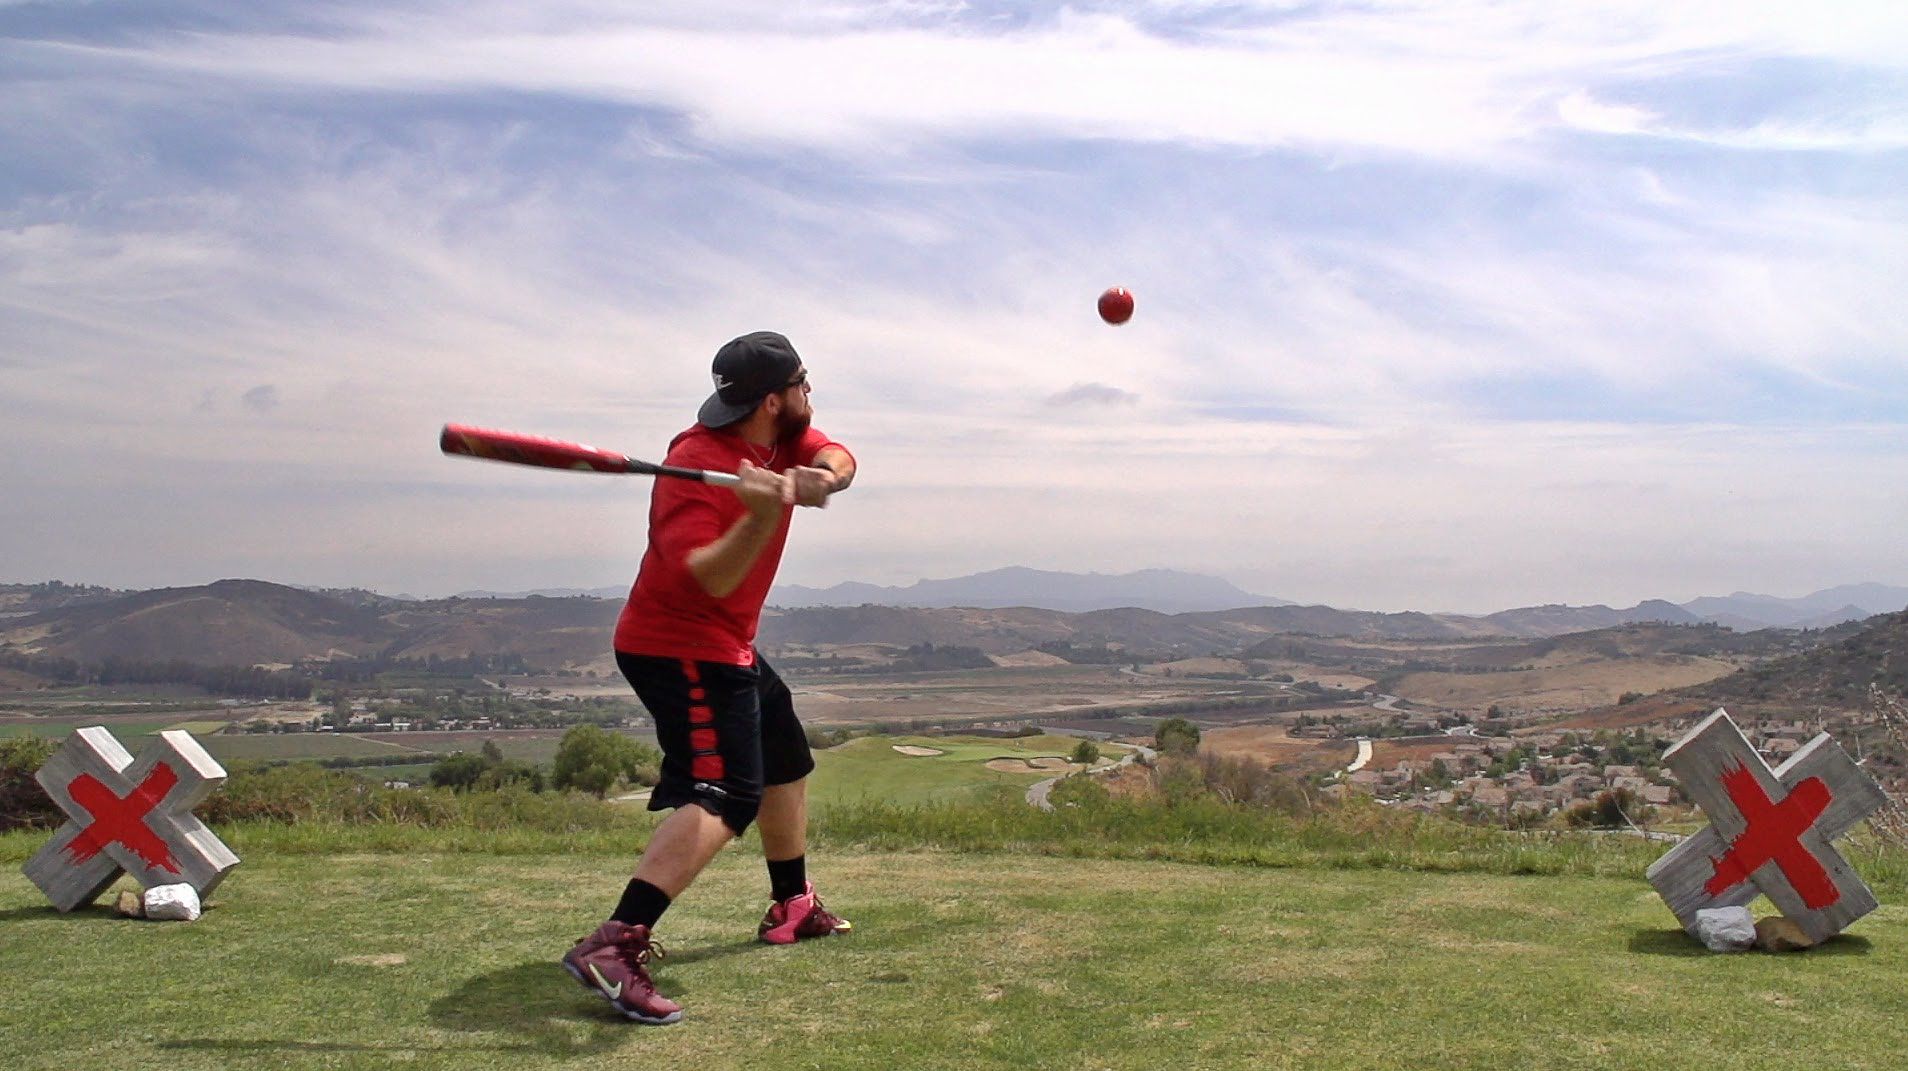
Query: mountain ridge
(251, 622)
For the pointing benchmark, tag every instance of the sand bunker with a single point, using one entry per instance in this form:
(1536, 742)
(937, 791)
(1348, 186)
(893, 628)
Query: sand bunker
(1042, 764)
(911, 749)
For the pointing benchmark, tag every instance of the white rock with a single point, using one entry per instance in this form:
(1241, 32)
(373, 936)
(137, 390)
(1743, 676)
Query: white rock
(1726, 929)
(180, 903)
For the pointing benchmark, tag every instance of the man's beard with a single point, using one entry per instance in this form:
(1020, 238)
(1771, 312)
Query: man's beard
(789, 427)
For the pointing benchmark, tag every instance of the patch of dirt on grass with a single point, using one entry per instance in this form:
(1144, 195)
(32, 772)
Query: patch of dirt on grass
(916, 750)
(1388, 753)
(1563, 689)
(1028, 658)
(1128, 781)
(1201, 666)
(1275, 745)
(381, 959)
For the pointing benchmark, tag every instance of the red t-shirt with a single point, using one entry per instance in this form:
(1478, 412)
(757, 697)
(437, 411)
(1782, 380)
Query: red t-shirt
(668, 613)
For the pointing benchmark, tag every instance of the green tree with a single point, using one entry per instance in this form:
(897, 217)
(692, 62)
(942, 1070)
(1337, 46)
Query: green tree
(493, 755)
(511, 774)
(1085, 753)
(593, 759)
(340, 715)
(458, 772)
(1176, 736)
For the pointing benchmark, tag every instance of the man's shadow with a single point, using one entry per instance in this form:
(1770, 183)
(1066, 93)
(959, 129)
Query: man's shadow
(544, 1010)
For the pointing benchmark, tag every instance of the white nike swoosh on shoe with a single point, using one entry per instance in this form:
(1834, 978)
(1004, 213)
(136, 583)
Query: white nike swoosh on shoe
(610, 991)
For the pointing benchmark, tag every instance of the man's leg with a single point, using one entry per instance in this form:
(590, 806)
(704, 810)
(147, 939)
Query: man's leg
(784, 821)
(707, 725)
(797, 912)
(682, 845)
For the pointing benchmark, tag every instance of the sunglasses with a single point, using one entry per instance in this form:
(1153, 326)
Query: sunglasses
(800, 380)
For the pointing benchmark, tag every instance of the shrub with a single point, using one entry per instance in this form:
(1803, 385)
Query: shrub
(303, 792)
(1612, 809)
(306, 793)
(821, 739)
(1079, 790)
(1176, 736)
(1246, 781)
(23, 803)
(591, 759)
(458, 772)
(504, 775)
(1085, 753)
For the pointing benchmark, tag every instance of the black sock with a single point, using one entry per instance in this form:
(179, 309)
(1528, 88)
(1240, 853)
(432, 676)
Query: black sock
(642, 905)
(788, 877)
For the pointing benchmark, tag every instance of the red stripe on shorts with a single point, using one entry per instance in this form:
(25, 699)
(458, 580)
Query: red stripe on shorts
(706, 765)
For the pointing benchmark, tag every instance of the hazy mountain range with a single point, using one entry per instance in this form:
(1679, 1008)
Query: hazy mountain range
(245, 622)
(248, 622)
(1168, 591)
(1172, 591)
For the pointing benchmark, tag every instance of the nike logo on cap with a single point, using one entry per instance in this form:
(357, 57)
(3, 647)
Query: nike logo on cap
(721, 382)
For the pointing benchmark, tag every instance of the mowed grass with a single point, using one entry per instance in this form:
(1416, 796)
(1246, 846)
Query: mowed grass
(998, 961)
(869, 768)
(266, 747)
(124, 729)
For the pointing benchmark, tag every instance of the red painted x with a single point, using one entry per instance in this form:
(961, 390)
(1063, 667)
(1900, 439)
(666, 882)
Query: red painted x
(123, 820)
(1774, 831)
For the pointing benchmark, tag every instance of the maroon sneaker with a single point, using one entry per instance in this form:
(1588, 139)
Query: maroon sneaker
(611, 960)
(798, 918)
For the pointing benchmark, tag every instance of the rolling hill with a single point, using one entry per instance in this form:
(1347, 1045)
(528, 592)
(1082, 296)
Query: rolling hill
(1838, 672)
(250, 622)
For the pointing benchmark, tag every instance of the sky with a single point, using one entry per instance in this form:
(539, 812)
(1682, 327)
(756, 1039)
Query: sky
(1453, 305)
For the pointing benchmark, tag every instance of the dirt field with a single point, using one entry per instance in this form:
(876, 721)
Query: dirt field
(1642, 712)
(1562, 689)
(1028, 658)
(1274, 744)
(1005, 693)
(1197, 666)
(1388, 753)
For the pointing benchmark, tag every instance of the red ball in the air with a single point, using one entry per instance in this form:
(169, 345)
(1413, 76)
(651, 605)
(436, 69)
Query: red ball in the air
(1116, 305)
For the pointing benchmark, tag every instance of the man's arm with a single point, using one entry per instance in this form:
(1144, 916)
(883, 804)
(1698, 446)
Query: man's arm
(721, 566)
(830, 473)
(841, 463)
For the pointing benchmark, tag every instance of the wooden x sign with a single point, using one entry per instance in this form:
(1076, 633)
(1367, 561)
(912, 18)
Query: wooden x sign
(1770, 833)
(127, 817)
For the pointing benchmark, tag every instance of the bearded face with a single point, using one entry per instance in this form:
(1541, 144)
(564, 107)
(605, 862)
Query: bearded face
(790, 425)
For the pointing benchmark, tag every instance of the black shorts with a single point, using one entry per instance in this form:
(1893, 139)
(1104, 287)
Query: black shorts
(725, 732)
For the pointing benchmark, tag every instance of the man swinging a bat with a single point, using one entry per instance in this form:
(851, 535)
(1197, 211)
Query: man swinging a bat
(733, 750)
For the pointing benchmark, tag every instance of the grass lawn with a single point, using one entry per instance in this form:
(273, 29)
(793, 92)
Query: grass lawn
(288, 746)
(869, 767)
(124, 728)
(958, 961)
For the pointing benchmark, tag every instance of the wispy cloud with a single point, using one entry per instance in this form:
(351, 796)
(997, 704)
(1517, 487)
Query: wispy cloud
(1092, 394)
(1423, 288)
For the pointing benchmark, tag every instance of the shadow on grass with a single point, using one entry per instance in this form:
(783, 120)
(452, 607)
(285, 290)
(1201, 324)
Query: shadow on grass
(698, 955)
(536, 1008)
(48, 911)
(1678, 943)
(536, 1003)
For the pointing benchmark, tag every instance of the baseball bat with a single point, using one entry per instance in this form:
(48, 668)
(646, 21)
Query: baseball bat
(518, 449)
